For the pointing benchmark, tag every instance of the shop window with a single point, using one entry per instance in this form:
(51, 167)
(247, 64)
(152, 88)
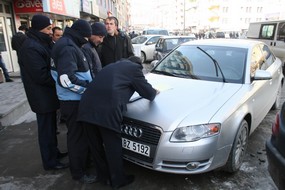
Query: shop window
(1, 8)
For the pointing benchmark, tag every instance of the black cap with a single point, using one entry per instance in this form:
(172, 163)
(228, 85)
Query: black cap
(82, 27)
(99, 29)
(40, 22)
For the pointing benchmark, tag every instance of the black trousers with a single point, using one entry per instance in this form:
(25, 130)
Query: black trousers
(47, 138)
(77, 143)
(106, 149)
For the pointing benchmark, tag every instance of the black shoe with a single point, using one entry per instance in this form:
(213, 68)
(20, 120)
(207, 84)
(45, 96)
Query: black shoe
(58, 166)
(61, 155)
(88, 179)
(129, 179)
(9, 80)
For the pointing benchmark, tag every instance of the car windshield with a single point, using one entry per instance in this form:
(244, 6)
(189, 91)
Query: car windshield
(191, 61)
(139, 40)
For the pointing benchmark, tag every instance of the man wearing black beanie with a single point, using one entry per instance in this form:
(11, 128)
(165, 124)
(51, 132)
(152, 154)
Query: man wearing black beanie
(34, 60)
(70, 70)
(90, 49)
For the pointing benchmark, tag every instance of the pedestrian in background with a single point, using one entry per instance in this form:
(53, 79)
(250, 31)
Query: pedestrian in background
(98, 34)
(116, 44)
(19, 38)
(56, 33)
(101, 112)
(72, 75)
(5, 71)
(34, 60)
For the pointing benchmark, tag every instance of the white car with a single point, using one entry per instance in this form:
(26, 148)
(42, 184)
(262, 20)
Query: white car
(144, 46)
(213, 95)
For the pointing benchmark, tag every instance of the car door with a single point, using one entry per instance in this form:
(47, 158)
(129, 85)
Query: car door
(150, 47)
(278, 46)
(262, 90)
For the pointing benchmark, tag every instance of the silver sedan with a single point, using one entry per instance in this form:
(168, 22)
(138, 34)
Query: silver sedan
(213, 95)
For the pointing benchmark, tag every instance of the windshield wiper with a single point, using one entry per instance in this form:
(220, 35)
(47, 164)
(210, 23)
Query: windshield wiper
(217, 65)
(163, 72)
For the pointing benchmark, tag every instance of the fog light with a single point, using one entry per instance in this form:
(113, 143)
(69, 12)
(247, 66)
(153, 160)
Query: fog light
(192, 165)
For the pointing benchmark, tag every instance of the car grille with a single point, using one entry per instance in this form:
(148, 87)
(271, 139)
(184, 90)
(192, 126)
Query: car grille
(150, 137)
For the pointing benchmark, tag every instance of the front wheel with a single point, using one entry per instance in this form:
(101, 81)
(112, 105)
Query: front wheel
(143, 57)
(238, 149)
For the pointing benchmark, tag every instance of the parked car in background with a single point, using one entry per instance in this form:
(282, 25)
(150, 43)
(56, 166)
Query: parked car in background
(144, 46)
(155, 31)
(272, 33)
(275, 150)
(213, 95)
(220, 35)
(166, 43)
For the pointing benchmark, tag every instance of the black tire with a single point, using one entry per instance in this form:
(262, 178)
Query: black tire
(238, 149)
(143, 57)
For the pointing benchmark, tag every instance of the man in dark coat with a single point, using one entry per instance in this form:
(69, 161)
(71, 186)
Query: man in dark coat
(34, 60)
(72, 75)
(101, 111)
(116, 44)
(98, 34)
(19, 38)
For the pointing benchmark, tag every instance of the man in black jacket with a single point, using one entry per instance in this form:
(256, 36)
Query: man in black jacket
(116, 44)
(19, 38)
(98, 34)
(72, 75)
(34, 60)
(101, 111)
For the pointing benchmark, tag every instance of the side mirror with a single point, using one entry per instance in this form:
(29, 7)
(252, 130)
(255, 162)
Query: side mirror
(154, 63)
(262, 75)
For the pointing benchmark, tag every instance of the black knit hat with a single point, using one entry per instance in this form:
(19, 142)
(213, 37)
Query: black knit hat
(99, 29)
(40, 22)
(82, 27)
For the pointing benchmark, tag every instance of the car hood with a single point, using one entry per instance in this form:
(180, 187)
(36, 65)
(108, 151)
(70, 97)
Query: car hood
(180, 100)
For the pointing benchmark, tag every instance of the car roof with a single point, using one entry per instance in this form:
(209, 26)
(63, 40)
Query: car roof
(241, 43)
(175, 37)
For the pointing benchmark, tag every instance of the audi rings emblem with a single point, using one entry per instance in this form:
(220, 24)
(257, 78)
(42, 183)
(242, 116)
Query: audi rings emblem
(132, 131)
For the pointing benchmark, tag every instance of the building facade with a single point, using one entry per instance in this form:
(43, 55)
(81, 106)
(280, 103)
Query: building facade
(14, 13)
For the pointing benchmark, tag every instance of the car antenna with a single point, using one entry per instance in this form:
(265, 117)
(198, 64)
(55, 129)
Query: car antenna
(217, 65)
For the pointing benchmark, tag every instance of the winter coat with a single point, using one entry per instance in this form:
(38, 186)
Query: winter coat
(34, 61)
(70, 68)
(92, 58)
(106, 97)
(114, 48)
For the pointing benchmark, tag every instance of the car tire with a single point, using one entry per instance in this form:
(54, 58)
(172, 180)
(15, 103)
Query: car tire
(143, 57)
(277, 102)
(238, 149)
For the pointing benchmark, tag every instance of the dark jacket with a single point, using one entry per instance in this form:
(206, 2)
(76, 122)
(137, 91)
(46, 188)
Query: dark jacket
(17, 40)
(106, 97)
(114, 48)
(34, 61)
(92, 57)
(70, 68)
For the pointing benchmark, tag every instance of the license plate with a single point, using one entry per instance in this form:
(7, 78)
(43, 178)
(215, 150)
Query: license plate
(136, 147)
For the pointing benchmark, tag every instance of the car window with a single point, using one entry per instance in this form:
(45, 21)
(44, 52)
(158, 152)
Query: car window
(191, 62)
(153, 40)
(281, 31)
(269, 58)
(139, 40)
(256, 61)
(267, 31)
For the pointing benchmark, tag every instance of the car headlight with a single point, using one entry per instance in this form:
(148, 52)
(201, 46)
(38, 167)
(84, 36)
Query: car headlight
(195, 132)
